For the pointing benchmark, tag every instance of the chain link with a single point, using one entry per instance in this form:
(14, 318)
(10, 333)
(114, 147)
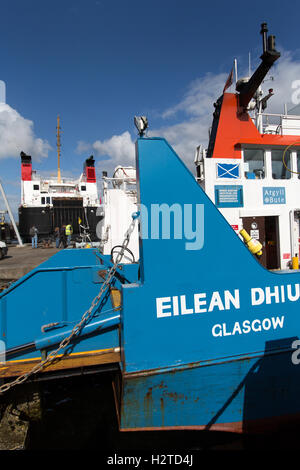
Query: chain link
(85, 317)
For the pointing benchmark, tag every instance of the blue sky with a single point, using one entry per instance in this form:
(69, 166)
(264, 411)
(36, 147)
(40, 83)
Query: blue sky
(98, 63)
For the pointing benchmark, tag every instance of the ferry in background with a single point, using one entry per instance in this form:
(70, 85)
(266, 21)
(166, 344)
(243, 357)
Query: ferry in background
(251, 167)
(52, 202)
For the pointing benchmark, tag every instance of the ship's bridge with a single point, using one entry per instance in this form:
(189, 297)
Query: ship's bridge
(40, 192)
(260, 193)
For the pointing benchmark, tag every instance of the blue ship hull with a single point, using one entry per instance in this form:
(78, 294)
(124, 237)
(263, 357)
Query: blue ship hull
(205, 347)
(246, 395)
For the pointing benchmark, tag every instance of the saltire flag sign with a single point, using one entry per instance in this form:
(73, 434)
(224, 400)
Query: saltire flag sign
(228, 170)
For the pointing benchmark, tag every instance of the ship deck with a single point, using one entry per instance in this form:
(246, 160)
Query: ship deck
(20, 260)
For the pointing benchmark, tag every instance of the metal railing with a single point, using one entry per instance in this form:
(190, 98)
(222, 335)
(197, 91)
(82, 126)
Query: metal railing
(272, 123)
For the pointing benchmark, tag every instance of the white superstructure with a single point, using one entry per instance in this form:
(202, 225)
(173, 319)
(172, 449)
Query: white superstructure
(119, 202)
(40, 191)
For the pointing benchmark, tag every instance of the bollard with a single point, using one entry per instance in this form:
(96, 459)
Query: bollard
(295, 262)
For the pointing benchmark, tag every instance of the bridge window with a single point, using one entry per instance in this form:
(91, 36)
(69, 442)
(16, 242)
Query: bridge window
(281, 163)
(254, 163)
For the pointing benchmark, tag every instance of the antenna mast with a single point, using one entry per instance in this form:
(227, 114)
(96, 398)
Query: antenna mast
(249, 61)
(58, 150)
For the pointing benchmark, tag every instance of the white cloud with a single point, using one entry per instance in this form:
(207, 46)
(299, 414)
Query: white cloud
(16, 134)
(118, 147)
(196, 109)
(118, 150)
(200, 96)
(285, 72)
(184, 138)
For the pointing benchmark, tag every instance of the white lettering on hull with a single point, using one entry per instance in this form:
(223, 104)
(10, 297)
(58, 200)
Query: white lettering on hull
(224, 300)
(202, 303)
(239, 328)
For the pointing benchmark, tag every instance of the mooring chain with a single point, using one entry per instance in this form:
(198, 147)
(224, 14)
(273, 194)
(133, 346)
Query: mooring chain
(85, 318)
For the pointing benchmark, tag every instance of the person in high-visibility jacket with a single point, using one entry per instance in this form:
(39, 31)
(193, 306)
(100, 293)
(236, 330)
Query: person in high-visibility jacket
(69, 231)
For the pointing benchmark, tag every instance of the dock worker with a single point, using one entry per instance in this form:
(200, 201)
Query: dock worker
(62, 237)
(33, 232)
(69, 231)
(57, 236)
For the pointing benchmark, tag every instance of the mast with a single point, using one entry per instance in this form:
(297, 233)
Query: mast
(58, 150)
(270, 55)
(11, 215)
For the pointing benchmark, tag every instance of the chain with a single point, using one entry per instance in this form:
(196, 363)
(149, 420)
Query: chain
(85, 317)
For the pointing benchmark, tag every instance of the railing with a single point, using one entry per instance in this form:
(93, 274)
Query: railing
(121, 183)
(277, 124)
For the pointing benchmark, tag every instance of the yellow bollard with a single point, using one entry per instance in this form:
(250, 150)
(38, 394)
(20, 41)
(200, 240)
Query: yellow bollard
(295, 262)
(254, 246)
